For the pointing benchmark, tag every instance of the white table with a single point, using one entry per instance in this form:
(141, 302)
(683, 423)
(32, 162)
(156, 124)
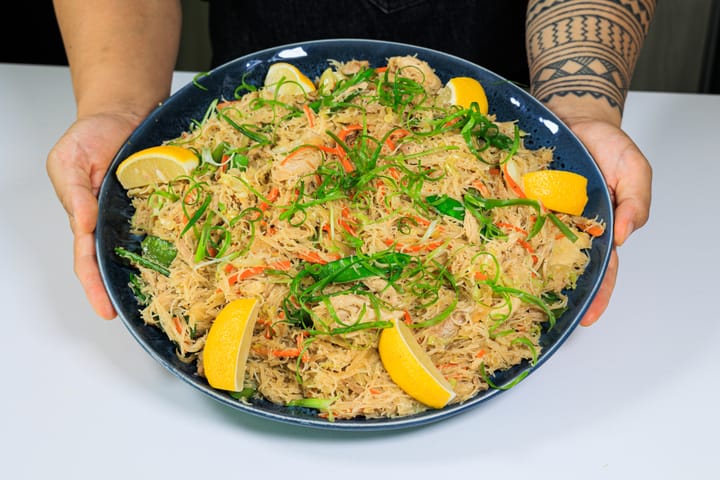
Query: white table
(635, 396)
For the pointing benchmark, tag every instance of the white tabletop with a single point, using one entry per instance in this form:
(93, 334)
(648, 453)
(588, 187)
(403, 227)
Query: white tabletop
(635, 396)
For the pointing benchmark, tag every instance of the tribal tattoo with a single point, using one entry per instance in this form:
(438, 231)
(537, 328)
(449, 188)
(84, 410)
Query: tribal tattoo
(585, 47)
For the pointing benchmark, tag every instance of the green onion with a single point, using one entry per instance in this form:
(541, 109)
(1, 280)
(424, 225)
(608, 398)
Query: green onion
(196, 216)
(507, 386)
(322, 404)
(564, 229)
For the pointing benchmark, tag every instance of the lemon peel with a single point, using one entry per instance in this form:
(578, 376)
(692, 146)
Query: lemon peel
(228, 344)
(285, 78)
(466, 90)
(155, 165)
(411, 368)
(557, 190)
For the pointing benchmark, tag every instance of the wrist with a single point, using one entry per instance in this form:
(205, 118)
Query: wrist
(573, 109)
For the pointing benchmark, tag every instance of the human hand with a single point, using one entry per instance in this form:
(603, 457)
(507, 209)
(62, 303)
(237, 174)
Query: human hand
(629, 178)
(76, 166)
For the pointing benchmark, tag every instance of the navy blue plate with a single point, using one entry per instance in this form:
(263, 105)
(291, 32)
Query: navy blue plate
(507, 102)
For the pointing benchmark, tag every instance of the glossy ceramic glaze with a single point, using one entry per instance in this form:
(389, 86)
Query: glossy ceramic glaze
(507, 101)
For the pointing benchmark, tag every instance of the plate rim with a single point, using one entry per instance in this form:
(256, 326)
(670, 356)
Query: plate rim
(423, 418)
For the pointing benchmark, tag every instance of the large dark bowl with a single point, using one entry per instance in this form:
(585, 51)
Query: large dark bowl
(507, 101)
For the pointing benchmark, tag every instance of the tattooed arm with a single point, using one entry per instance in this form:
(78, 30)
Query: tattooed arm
(582, 54)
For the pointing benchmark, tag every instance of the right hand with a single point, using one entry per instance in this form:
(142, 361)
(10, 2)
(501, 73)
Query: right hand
(76, 166)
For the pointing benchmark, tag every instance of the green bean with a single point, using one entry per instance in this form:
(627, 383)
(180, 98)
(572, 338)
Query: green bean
(158, 250)
(141, 261)
(447, 206)
(356, 267)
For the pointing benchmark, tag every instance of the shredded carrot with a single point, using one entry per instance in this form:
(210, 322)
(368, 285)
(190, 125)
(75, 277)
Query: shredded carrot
(286, 352)
(342, 135)
(381, 69)
(452, 122)
(331, 150)
(346, 163)
(309, 115)
(346, 226)
(481, 188)
(269, 331)
(271, 197)
(522, 242)
(338, 150)
(269, 229)
(494, 171)
(298, 150)
(348, 223)
(248, 272)
(292, 352)
(512, 183)
(178, 327)
(594, 230)
(283, 265)
(428, 247)
(312, 257)
(421, 220)
(444, 366)
(374, 391)
(480, 276)
(397, 134)
(406, 317)
(510, 226)
(529, 249)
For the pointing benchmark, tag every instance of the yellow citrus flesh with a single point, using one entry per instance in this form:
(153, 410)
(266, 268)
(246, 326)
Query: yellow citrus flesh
(154, 165)
(558, 190)
(290, 79)
(228, 344)
(411, 368)
(465, 90)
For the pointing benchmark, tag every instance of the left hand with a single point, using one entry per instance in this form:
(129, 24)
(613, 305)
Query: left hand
(629, 178)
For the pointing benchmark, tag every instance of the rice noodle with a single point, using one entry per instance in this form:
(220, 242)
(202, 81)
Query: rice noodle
(295, 201)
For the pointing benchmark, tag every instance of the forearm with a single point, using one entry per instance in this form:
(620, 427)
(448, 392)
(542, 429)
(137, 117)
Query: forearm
(582, 53)
(121, 52)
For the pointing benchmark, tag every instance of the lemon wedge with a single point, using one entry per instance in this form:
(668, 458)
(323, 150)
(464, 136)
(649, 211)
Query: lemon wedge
(328, 80)
(557, 190)
(228, 344)
(465, 90)
(286, 79)
(159, 164)
(411, 368)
